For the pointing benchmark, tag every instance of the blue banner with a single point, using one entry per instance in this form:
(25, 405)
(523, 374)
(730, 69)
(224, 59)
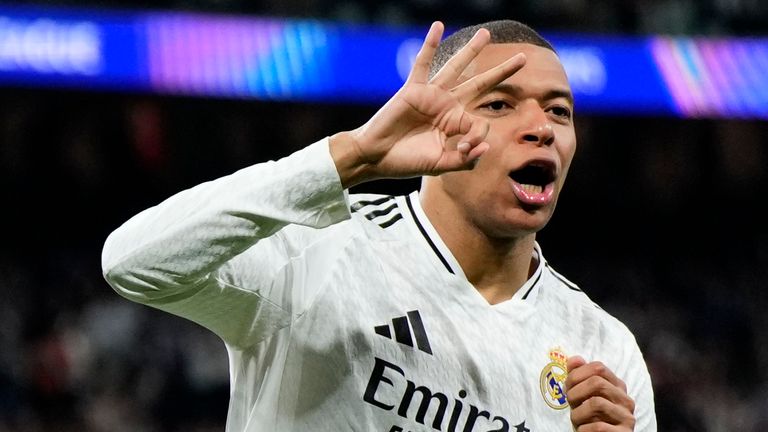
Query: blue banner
(248, 57)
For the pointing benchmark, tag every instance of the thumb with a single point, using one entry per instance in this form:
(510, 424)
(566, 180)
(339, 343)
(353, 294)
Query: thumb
(478, 130)
(575, 362)
(471, 146)
(463, 157)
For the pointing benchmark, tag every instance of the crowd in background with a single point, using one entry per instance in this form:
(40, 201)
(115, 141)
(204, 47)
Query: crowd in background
(661, 223)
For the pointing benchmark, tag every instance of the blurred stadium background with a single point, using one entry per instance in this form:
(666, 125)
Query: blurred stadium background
(107, 107)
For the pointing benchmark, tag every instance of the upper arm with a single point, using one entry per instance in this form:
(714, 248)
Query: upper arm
(210, 253)
(640, 389)
(236, 301)
(632, 369)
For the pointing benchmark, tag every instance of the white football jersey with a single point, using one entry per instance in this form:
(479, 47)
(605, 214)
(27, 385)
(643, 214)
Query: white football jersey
(348, 313)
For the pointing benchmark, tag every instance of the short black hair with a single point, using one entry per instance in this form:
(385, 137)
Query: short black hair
(502, 31)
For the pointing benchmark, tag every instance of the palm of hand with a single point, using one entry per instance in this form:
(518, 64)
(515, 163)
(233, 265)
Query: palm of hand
(427, 116)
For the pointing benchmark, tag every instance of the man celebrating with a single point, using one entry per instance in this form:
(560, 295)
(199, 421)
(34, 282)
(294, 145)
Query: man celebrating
(432, 311)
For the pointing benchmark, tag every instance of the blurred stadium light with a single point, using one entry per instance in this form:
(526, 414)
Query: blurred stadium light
(236, 57)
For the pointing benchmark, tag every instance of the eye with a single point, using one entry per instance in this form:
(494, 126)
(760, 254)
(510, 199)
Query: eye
(496, 105)
(561, 111)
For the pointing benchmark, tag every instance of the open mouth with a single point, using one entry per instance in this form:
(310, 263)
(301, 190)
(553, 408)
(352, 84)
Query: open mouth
(534, 183)
(535, 176)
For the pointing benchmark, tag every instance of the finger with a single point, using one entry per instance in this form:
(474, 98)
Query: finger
(470, 154)
(478, 129)
(597, 386)
(454, 160)
(420, 70)
(469, 148)
(474, 154)
(602, 427)
(581, 373)
(599, 410)
(472, 145)
(452, 69)
(479, 84)
(575, 362)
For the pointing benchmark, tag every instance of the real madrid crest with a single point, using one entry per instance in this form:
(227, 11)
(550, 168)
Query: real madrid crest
(552, 379)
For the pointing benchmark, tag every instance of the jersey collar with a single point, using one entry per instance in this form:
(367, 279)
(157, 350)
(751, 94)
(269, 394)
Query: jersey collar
(422, 223)
(529, 290)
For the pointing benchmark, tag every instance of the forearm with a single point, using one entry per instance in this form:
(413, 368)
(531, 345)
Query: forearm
(179, 242)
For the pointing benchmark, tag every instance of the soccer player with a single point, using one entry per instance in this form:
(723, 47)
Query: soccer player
(432, 311)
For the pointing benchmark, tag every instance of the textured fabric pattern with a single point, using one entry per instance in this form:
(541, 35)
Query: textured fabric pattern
(348, 313)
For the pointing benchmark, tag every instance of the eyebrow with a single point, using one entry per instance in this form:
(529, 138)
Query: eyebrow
(515, 90)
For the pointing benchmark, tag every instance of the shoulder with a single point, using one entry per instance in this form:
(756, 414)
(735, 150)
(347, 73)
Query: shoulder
(562, 290)
(372, 210)
(575, 302)
(563, 284)
(370, 214)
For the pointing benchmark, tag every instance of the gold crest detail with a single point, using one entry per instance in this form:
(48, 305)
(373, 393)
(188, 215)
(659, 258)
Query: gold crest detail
(552, 379)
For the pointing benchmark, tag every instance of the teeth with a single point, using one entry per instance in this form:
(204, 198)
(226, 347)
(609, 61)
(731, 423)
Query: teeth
(533, 189)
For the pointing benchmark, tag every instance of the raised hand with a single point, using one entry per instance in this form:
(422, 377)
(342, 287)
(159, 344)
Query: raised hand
(411, 134)
(598, 398)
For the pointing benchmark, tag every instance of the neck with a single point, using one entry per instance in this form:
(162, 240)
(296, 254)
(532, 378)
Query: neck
(496, 267)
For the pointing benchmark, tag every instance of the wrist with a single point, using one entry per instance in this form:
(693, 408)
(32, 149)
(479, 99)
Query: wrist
(352, 167)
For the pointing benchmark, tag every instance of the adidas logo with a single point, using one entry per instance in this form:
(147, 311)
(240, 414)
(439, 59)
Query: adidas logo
(406, 328)
(382, 211)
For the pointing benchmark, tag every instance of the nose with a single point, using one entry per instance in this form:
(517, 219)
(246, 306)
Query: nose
(537, 128)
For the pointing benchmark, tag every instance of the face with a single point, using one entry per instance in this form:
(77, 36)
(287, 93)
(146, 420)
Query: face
(513, 189)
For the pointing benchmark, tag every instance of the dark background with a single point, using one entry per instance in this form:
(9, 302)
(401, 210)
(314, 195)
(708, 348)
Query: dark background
(661, 222)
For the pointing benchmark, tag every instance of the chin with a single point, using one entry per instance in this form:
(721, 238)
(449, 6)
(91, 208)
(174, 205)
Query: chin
(517, 225)
(510, 219)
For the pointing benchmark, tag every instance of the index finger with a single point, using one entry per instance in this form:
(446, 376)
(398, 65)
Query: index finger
(420, 70)
(452, 69)
(479, 84)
